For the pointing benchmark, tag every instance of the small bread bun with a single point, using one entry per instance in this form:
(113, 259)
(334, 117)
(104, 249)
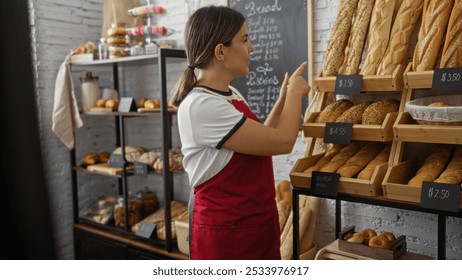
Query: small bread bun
(380, 241)
(439, 104)
(101, 103)
(357, 237)
(90, 159)
(112, 103)
(116, 41)
(390, 236)
(141, 102)
(152, 103)
(368, 233)
(103, 157)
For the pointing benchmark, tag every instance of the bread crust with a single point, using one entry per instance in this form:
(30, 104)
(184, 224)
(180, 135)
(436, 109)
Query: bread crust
(452, 52)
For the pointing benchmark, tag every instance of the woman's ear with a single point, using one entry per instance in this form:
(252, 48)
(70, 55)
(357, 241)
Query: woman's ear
(219, 52)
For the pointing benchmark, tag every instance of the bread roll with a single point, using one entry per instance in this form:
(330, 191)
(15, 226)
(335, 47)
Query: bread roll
(354, 114)
(342, 157)
(439, 104)
(433, 165)
(379, 35)
(377, 111)
(339, 37)
(453, 173)
(382, 157)
(452, 52)
(435, 17)
(355, 47)
(332, 111)
(407, 16)
(325, 159)
(357, 162)
(90, 159)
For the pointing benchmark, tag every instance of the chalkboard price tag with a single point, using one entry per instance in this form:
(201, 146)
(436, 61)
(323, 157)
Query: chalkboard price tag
(338, 133)
(324, 183)
(127, 104)
(348, 84)
(440, 196)
(447, 79)
(140, 168)
(147, 230)
(116, 160)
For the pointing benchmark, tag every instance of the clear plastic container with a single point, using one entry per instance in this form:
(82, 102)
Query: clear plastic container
(89, 91)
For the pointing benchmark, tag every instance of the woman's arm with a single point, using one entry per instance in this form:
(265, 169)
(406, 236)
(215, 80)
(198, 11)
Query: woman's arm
(259, 139)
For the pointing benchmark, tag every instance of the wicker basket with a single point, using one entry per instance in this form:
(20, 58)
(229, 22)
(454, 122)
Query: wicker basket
(182, 233)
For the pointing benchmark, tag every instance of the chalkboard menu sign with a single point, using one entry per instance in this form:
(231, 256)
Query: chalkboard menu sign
(278, 32)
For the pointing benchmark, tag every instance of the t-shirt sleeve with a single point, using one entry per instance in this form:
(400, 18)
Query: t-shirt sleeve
(213, 120)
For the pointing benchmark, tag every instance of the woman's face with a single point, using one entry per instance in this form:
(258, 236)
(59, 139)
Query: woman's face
(237, 57)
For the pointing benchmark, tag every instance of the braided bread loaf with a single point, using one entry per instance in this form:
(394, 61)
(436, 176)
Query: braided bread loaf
(379, 35)
(408, 14)
(435, 16)
(452, 52)
(339, 38)
(354, 50)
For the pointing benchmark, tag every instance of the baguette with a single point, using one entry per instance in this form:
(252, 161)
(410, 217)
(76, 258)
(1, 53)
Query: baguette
(452, 52)
(382, 157)
(325, 159)
(355, 47)
(379, 35)
(453, 173)
(407, 16)
(435, 17)
(339, 37)
(433, 165)
(342, 157)
(357, 162)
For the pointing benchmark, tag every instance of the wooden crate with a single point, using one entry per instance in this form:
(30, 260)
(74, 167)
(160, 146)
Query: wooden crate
(395, 183)
(398, 247)
(417, 80)
(393, 82)
(372, 187)
(407, 130)
(378, 133)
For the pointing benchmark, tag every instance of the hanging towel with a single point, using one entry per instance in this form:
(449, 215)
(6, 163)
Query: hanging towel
(66, 118)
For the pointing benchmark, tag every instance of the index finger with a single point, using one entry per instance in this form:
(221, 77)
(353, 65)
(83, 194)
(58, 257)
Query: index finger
(300, 69)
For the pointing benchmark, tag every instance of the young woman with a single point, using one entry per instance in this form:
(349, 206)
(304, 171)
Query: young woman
(227, 151)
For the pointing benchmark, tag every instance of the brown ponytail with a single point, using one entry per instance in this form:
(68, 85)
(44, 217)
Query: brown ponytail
(205, 29)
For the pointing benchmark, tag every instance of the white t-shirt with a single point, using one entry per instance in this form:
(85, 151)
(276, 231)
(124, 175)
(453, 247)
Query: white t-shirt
(206, 119)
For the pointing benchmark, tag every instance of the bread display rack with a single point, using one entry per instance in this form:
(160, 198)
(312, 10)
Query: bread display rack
(121, 242)
(385, 188)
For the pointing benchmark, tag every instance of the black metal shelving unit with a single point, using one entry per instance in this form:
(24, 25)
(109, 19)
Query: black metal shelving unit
(123, 188)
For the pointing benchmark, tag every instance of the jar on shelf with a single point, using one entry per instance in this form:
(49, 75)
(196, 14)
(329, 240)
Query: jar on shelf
(149, 201)
(134, 212)
(89, 91)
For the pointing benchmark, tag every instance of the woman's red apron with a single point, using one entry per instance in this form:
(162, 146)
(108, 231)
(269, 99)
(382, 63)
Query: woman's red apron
(234, 213)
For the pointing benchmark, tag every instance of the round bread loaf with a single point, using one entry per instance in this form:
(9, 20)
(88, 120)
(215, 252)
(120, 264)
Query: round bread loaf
(377, 111)
(354, 114)
(334, 110)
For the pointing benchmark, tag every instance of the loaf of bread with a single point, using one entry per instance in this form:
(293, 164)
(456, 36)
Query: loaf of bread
(343, 156)
(452, 52)
(332, 111)
(377, 111)
(338, 40)
(354, 114)
(433, 165)
(406, 18)
(379, 35)
(435, 17)
(325, 159)
(380, 158)
(355, 46)
(357, 162)
(453, 173)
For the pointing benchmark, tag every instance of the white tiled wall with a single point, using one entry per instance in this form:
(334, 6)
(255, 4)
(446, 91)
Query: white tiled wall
(58, 26)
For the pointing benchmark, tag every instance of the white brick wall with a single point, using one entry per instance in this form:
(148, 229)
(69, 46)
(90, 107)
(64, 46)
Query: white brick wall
(58, 26)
